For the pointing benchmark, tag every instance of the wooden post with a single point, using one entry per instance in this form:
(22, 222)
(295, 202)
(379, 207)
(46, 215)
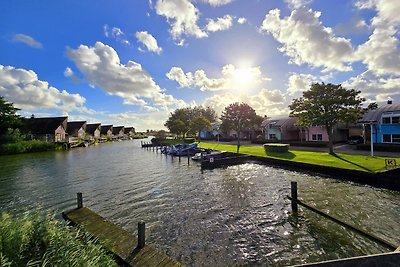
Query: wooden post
(293, 189)
(188, 160)
(179, 157)
(79, 200)
(141, 235)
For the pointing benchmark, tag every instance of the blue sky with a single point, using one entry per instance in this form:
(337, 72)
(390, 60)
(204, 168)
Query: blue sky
(133, 62)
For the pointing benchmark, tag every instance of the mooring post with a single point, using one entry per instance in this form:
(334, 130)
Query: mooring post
(79, 200)
(188, 159)
(179, 157)
(293, 189)
(141, 234)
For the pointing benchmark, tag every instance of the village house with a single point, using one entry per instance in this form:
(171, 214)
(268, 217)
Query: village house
(118, 132)
(93, 131)
(76, 130)
(129, 131)
(50, 129)
(282, 129)
(106, 132)
(385, 122)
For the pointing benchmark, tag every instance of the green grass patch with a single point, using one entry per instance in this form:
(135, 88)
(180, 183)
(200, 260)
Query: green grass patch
(345, 161)
(26, 147)
(35, 240)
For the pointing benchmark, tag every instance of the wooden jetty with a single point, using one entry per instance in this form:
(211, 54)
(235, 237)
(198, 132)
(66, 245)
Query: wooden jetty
(127, 248)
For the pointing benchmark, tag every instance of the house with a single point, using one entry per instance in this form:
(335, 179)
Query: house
(106, 132)
(76, 130)
(118, 132)
(129, 131)
(93, 131)
(212, 133)
(281, 129)
(385, 124)
(50, 129)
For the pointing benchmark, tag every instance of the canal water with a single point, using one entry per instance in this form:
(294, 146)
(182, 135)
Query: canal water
(232, 216)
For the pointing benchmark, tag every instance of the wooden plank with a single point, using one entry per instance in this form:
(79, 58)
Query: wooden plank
(117, 240)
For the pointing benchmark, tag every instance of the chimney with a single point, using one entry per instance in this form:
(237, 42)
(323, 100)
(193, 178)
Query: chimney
(389, 101)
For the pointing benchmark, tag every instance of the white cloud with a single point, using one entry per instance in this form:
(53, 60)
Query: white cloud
(219, 24)
(182, 16)
(241, 20)
(148, 41)
(298, 83)
(306, 40)
(217, 2)
(68, 72)
(381, 53)
(295, 4)
(23, 88)
(265, 102)
(26, 39)
(375, 87)
(115, 33)
(101, 67)
(232, 78)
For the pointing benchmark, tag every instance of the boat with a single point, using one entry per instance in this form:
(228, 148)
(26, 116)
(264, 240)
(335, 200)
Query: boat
(207, 155)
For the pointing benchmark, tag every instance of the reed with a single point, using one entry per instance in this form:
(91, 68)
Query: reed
(37, 240)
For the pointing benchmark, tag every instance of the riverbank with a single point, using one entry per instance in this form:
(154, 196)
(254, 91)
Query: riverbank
(343, 161)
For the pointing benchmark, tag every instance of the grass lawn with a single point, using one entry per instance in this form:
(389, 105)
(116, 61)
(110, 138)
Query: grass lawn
(345, 161)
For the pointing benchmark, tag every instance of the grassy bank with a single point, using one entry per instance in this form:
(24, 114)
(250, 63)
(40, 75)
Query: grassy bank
(35, 240)
(26, 147)
(345, 161)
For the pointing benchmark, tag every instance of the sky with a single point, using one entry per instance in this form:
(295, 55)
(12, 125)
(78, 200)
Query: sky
(133, 62)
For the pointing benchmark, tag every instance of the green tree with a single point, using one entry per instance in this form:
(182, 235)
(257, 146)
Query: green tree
(200, 123)
(238, 117)
(327, 105)
(180, 120)
(8, 116)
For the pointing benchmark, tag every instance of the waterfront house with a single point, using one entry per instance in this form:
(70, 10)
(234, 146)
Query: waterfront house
(385, 124)
(283, 129)
(212, 133)
(106, 132)
(50, 129)
(129, 131)
(93, 131)
(76, 130)
(118, 132)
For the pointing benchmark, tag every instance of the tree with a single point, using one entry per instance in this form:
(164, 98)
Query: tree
(327, 105)
(238, 117)
(8, 116)
(180, 121)
(199, 123)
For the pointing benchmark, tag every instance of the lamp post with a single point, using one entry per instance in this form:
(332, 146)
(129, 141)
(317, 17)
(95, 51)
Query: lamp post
(371, 123)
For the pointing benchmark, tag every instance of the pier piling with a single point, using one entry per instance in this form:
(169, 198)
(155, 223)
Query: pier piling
(141, 235)
(79, 199)
(293, 190)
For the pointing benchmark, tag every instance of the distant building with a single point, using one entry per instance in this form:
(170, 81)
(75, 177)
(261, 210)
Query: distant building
(93, 131)
(106, 131)
(118, 132)
(50, 129)
(76, 130)
(129, 131)
(281, 129)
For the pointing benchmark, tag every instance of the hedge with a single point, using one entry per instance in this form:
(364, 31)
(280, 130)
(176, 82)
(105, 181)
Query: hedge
(274, 147)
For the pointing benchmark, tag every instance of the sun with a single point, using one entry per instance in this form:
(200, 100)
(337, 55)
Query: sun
(242, 76)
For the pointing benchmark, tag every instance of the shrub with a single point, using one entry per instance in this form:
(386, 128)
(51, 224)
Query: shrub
(274, 147)
(26, 147)
(35, 240)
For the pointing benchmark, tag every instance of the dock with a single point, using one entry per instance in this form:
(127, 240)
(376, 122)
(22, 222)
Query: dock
(126, 247)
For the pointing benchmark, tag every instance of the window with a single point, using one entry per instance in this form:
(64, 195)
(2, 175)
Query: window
(391, 138)
(317, 137)
(386, 120)
(395, 119)
(386, 138)
(272, 136)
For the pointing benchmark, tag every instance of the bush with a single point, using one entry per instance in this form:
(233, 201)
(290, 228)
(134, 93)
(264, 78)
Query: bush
(35, 240)
(26, 147)
(274, 147)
